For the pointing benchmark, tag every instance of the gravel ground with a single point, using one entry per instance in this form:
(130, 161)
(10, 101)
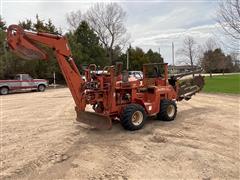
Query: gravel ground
(41, 140)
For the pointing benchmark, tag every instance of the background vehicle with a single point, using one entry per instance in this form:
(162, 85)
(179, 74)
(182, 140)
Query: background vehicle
(136, 74)
(22, 82)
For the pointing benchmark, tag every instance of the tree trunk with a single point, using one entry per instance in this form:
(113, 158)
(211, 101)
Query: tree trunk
(110, 54)
(210, 74)
(193, 74)
(192, 68)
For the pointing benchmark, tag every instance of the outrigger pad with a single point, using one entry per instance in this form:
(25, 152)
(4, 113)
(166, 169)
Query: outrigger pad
(93, 119)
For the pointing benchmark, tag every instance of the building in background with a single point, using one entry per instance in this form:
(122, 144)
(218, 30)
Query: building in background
(181, 69)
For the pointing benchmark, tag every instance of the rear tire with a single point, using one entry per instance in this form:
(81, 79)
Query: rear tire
(41, 88)
(168, 110)
(4, 91)
(133, 117)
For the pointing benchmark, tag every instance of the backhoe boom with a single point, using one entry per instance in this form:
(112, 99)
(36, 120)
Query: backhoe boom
(24, 43)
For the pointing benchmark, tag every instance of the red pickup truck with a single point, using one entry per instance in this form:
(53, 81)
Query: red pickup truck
(22, 82)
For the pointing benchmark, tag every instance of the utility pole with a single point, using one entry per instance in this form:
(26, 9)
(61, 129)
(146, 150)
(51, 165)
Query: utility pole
(54, 79)
(128, 56)
(173, 57)
(127, 59)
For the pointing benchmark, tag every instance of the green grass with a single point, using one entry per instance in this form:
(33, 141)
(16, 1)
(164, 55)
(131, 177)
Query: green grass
(223, 84)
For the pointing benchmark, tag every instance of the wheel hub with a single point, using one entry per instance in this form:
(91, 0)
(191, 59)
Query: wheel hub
(41, 88)
(4, 91)
(171, 110)
(137, 118)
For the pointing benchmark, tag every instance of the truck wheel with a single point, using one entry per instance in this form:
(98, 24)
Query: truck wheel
(41, 88)
(168, 110)
(4, 91)
(133, 117)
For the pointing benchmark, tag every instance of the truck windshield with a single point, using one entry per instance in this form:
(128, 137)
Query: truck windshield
(17, 77)
(26, 77)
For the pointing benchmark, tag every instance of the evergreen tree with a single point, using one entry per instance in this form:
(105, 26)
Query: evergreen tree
(3, 26)
(137, 58)
(215, 61)
(26, 24)
(85, 46)
(41, 69)
(154, 57)
(2, 47)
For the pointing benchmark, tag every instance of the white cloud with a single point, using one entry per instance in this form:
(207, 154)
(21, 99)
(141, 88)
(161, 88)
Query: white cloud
(160, 30)
(151, 25)
(13, 12)
(164, 38)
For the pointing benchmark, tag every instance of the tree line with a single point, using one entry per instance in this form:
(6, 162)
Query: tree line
(85, 45)
(99, 36)
(209, 56)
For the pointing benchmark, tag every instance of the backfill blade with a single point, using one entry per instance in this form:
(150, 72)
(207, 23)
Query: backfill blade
(93, 119)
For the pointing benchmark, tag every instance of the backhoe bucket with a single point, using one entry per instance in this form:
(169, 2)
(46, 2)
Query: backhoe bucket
(93, 119)
(21, 45)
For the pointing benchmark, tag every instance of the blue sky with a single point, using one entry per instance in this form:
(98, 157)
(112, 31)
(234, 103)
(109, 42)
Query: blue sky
(151, 24)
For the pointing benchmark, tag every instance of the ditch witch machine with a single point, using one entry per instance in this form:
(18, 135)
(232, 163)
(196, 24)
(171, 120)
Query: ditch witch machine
(112, 94)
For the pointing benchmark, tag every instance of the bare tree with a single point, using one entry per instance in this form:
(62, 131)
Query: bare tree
(189, 52)
(210, 44)
(107, 20)
(236, 60)
(74, 18)
(229, 19)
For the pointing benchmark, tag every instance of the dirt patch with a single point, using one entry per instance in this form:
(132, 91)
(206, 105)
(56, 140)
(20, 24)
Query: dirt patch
(41, 140)
(158, 139)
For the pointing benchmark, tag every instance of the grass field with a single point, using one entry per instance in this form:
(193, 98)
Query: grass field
(223, 84)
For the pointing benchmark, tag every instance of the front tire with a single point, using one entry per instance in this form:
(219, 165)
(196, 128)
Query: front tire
(4, 91)
(168, 110)
(41, 88)
(133, 117)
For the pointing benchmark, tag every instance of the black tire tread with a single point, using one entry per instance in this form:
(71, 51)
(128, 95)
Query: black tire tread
(41, 85)
(163, 110)
(2, 88)
(127, 114)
